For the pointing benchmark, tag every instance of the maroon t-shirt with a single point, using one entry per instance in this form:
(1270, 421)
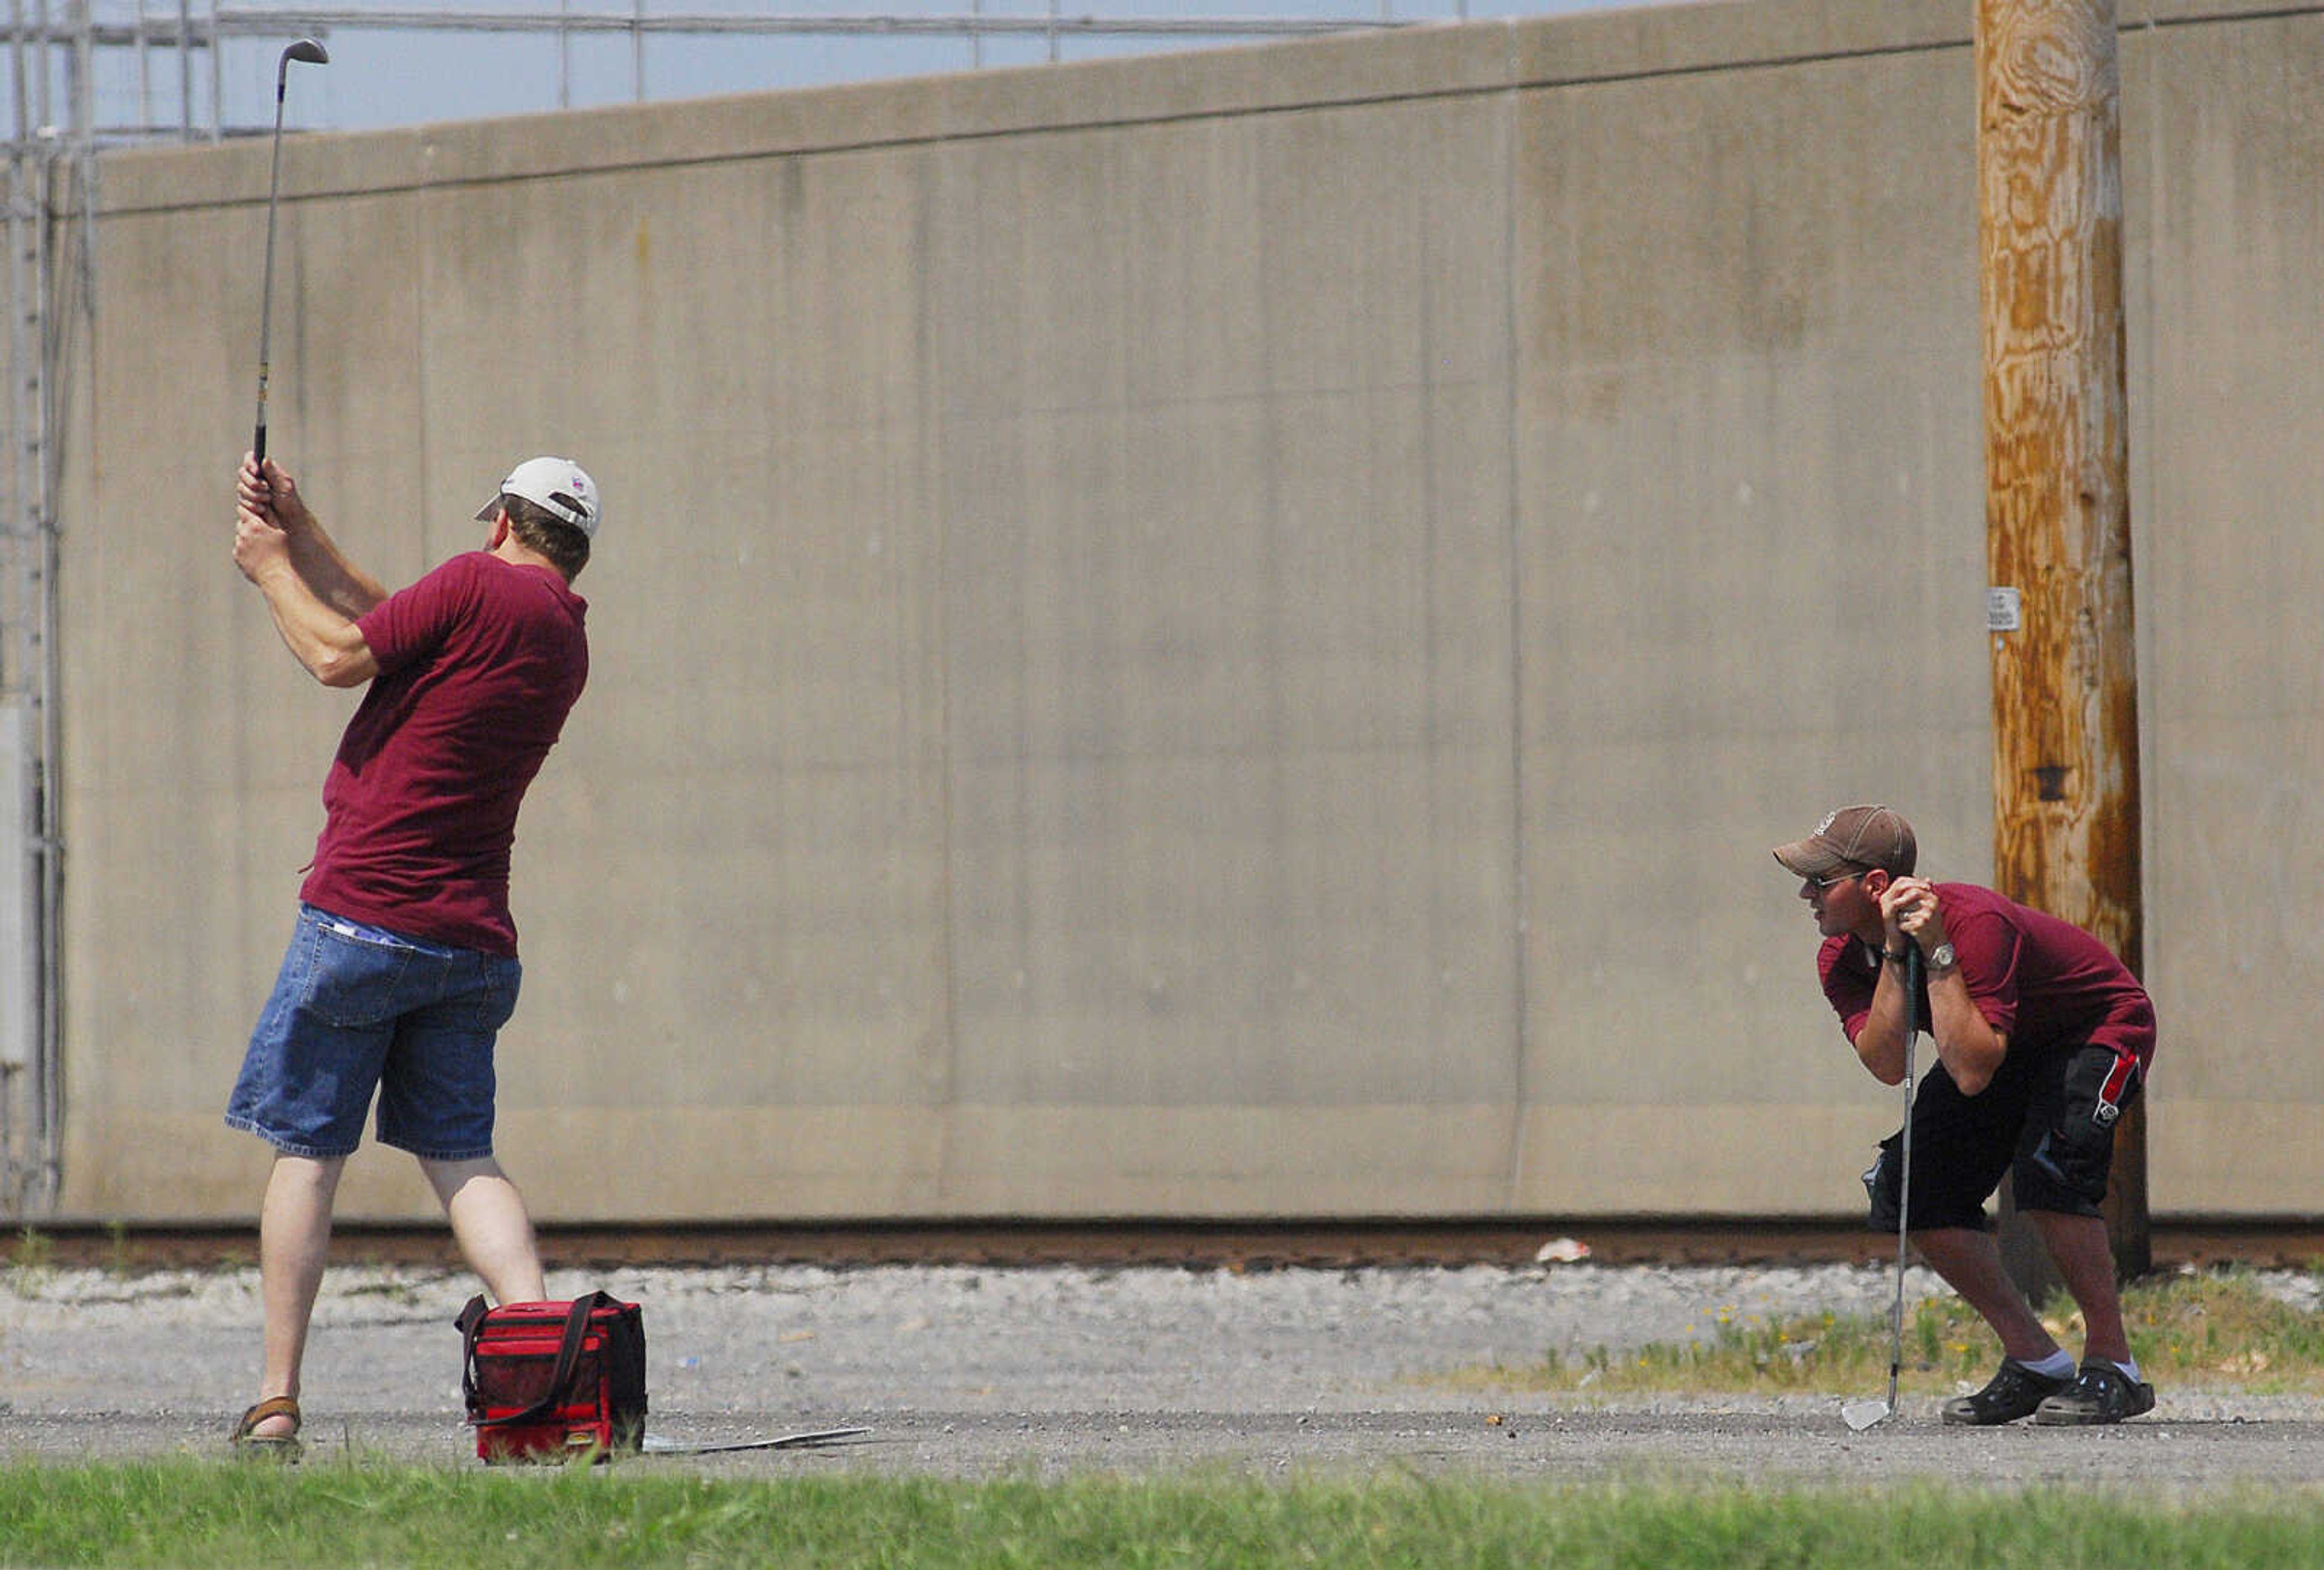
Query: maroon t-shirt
(479, 663)
(2041, 982)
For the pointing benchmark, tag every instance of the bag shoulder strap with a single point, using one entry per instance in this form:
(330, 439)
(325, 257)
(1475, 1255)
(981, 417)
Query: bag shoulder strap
(470, 1323)
(560, 1380)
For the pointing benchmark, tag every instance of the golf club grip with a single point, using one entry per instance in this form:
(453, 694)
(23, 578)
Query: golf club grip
(1912, 1041)
(1912, 1021)
(258, 446)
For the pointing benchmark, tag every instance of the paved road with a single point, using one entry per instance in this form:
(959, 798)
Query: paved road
(974, 1371)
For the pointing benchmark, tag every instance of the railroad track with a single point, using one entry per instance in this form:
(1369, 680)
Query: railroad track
(2270, 1243)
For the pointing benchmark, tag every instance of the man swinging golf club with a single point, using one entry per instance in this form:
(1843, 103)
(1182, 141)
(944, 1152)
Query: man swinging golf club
(403, 966)
(2042, 1038)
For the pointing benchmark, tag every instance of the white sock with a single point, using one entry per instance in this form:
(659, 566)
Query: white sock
(2129, 1366)
(2058, 1365)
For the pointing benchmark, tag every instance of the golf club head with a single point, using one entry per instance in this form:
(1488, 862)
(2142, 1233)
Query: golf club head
(1869, 1413)
(306, 50)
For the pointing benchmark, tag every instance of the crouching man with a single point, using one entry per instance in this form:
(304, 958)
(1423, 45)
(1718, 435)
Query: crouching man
(2043, 1038)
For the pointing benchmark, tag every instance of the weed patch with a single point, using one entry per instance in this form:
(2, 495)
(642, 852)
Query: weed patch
(2219, 1329)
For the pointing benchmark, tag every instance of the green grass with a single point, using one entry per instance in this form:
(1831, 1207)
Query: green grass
(29, 1258)
(2215, 1330)
(196, 1513)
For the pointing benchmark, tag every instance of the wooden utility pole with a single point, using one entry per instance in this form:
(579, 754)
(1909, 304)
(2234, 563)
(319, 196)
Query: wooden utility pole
(2065, 703)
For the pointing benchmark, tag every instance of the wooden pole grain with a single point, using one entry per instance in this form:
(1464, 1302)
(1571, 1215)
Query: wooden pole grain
(2065, 758)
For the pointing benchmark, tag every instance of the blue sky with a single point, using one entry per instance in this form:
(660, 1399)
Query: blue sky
(382, 76)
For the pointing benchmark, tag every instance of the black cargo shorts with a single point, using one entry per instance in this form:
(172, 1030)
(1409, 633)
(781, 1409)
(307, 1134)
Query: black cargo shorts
(2047, 1120)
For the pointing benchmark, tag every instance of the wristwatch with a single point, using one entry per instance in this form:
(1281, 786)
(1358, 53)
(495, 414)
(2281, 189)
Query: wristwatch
(1941, 959)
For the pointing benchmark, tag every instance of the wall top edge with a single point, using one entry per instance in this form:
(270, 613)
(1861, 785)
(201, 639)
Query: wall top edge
(1433, 60)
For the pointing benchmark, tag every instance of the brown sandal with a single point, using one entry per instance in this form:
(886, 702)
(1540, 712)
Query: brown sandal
(277, 1446)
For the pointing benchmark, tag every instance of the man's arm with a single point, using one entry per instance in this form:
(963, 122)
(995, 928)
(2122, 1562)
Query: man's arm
(1967, 1044)
(319, 635)
(269, 491)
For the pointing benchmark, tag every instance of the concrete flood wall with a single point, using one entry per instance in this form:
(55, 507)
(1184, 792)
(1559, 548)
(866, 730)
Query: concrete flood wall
(1207, 637)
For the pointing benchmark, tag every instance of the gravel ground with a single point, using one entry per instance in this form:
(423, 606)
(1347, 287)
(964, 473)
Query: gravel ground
(974, 1371)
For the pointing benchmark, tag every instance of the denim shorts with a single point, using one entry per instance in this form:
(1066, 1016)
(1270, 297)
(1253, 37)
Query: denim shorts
(357, 1009)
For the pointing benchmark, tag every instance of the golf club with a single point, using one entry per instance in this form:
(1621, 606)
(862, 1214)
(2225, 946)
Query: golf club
(312, 54)
(1864, 1414)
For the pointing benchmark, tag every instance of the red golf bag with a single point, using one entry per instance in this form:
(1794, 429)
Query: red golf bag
(549, 1382)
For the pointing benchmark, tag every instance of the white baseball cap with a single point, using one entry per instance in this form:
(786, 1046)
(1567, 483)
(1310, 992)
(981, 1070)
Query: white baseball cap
(560, 485)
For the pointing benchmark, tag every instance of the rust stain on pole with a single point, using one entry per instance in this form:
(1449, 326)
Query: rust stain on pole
(2065, 763)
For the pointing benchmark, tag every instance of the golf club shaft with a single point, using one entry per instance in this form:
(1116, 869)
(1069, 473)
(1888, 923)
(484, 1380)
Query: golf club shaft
(312, 54)
(266, 294)
(1904, 1173)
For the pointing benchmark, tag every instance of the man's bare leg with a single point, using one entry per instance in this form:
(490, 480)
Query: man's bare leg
(294, 1243)
(494, 1228)
(1970, 1263)
(2086, 1259)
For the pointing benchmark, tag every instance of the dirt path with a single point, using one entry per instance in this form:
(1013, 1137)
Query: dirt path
(979, 1370)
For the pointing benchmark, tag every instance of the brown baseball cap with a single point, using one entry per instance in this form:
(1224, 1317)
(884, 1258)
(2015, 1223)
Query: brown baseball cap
(1853, 836)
